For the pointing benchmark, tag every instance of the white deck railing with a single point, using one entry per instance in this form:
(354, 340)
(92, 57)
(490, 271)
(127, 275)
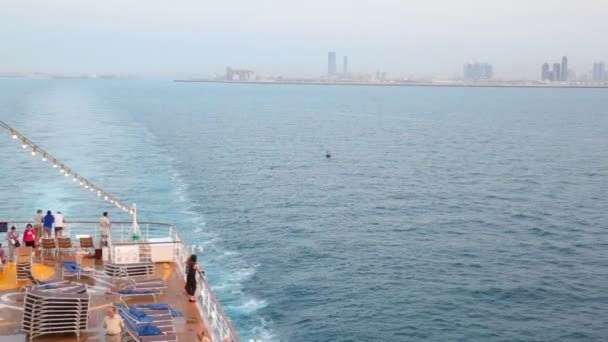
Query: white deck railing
(212, 312)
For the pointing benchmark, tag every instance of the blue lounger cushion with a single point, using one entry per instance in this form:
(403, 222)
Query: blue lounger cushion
(161, 306)
(71, 266)
(133, 291)
(148, 330)
(136, 313)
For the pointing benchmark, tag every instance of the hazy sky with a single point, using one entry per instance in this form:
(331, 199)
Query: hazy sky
(402, 37)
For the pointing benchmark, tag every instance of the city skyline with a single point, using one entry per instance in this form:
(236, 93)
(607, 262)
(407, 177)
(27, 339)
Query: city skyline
(423, 40)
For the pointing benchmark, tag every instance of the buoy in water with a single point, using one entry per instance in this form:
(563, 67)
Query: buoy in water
(327, 154)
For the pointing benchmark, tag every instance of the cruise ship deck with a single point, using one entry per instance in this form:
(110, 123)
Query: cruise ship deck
(162, 248)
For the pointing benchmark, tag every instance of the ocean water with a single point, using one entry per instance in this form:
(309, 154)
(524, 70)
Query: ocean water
(444, 214)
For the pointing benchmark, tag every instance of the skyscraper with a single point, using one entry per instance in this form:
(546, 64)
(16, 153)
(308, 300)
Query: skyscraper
(478, 71)
(599, 72)
(345, 66)
(545, 74)
(556, 74)
(331, 64)
(564, 74)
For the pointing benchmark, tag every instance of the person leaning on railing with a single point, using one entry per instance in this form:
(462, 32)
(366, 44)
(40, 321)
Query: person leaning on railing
(191, 268)
(104, 228)
(38, 218)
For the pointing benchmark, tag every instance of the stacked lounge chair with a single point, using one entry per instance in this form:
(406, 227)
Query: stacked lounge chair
(126, 270)
(24, 263)
(55, 308)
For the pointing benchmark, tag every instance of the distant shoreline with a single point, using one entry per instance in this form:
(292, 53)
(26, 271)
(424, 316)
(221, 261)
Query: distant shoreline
(400, 84)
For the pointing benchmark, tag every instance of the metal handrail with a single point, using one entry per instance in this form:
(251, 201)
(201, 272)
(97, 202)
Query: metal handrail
(210, 309)
(224, 327)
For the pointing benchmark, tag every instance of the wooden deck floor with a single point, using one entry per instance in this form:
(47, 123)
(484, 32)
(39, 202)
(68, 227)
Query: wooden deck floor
(11, 301)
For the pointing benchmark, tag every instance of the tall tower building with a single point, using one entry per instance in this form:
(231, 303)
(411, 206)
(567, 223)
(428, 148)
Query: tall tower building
(331, 64)
(345, 66)
(599, 71)
(556, 74)
(545, 74)
(564, 75)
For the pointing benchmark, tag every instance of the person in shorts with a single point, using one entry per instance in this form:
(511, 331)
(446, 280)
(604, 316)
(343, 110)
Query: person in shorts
(47, 224)
(59, 219)
(38, 218)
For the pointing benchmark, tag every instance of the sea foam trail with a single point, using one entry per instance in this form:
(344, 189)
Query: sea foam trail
(232, 270)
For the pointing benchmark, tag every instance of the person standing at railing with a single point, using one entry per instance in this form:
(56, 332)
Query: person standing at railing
(104, 228)
(191, 268)
(38, 218)
(47, 227)
(59, 219)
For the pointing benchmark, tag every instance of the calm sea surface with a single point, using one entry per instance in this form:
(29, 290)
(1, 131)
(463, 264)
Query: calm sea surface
(444, 214)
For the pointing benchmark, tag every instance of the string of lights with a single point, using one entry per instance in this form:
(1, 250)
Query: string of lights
(64, 170)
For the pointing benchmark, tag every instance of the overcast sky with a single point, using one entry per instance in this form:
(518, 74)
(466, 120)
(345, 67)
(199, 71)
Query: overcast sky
(289, 37)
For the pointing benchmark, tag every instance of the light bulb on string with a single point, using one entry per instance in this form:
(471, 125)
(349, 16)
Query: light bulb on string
(86, 186)
(105, 198)
(74, 179)
(67, 173)
(24, 143)
(54, 163)
(44, 157)
(13, 133)
(34, 150)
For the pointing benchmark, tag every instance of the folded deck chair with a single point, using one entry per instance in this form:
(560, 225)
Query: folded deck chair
(147, 332)
(24, 263)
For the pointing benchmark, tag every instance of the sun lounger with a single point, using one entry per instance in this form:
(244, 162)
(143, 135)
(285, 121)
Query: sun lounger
(161, 318)
(130, 292)
(147, 332)
(132, 270)
(71, 268)
(159, 307)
